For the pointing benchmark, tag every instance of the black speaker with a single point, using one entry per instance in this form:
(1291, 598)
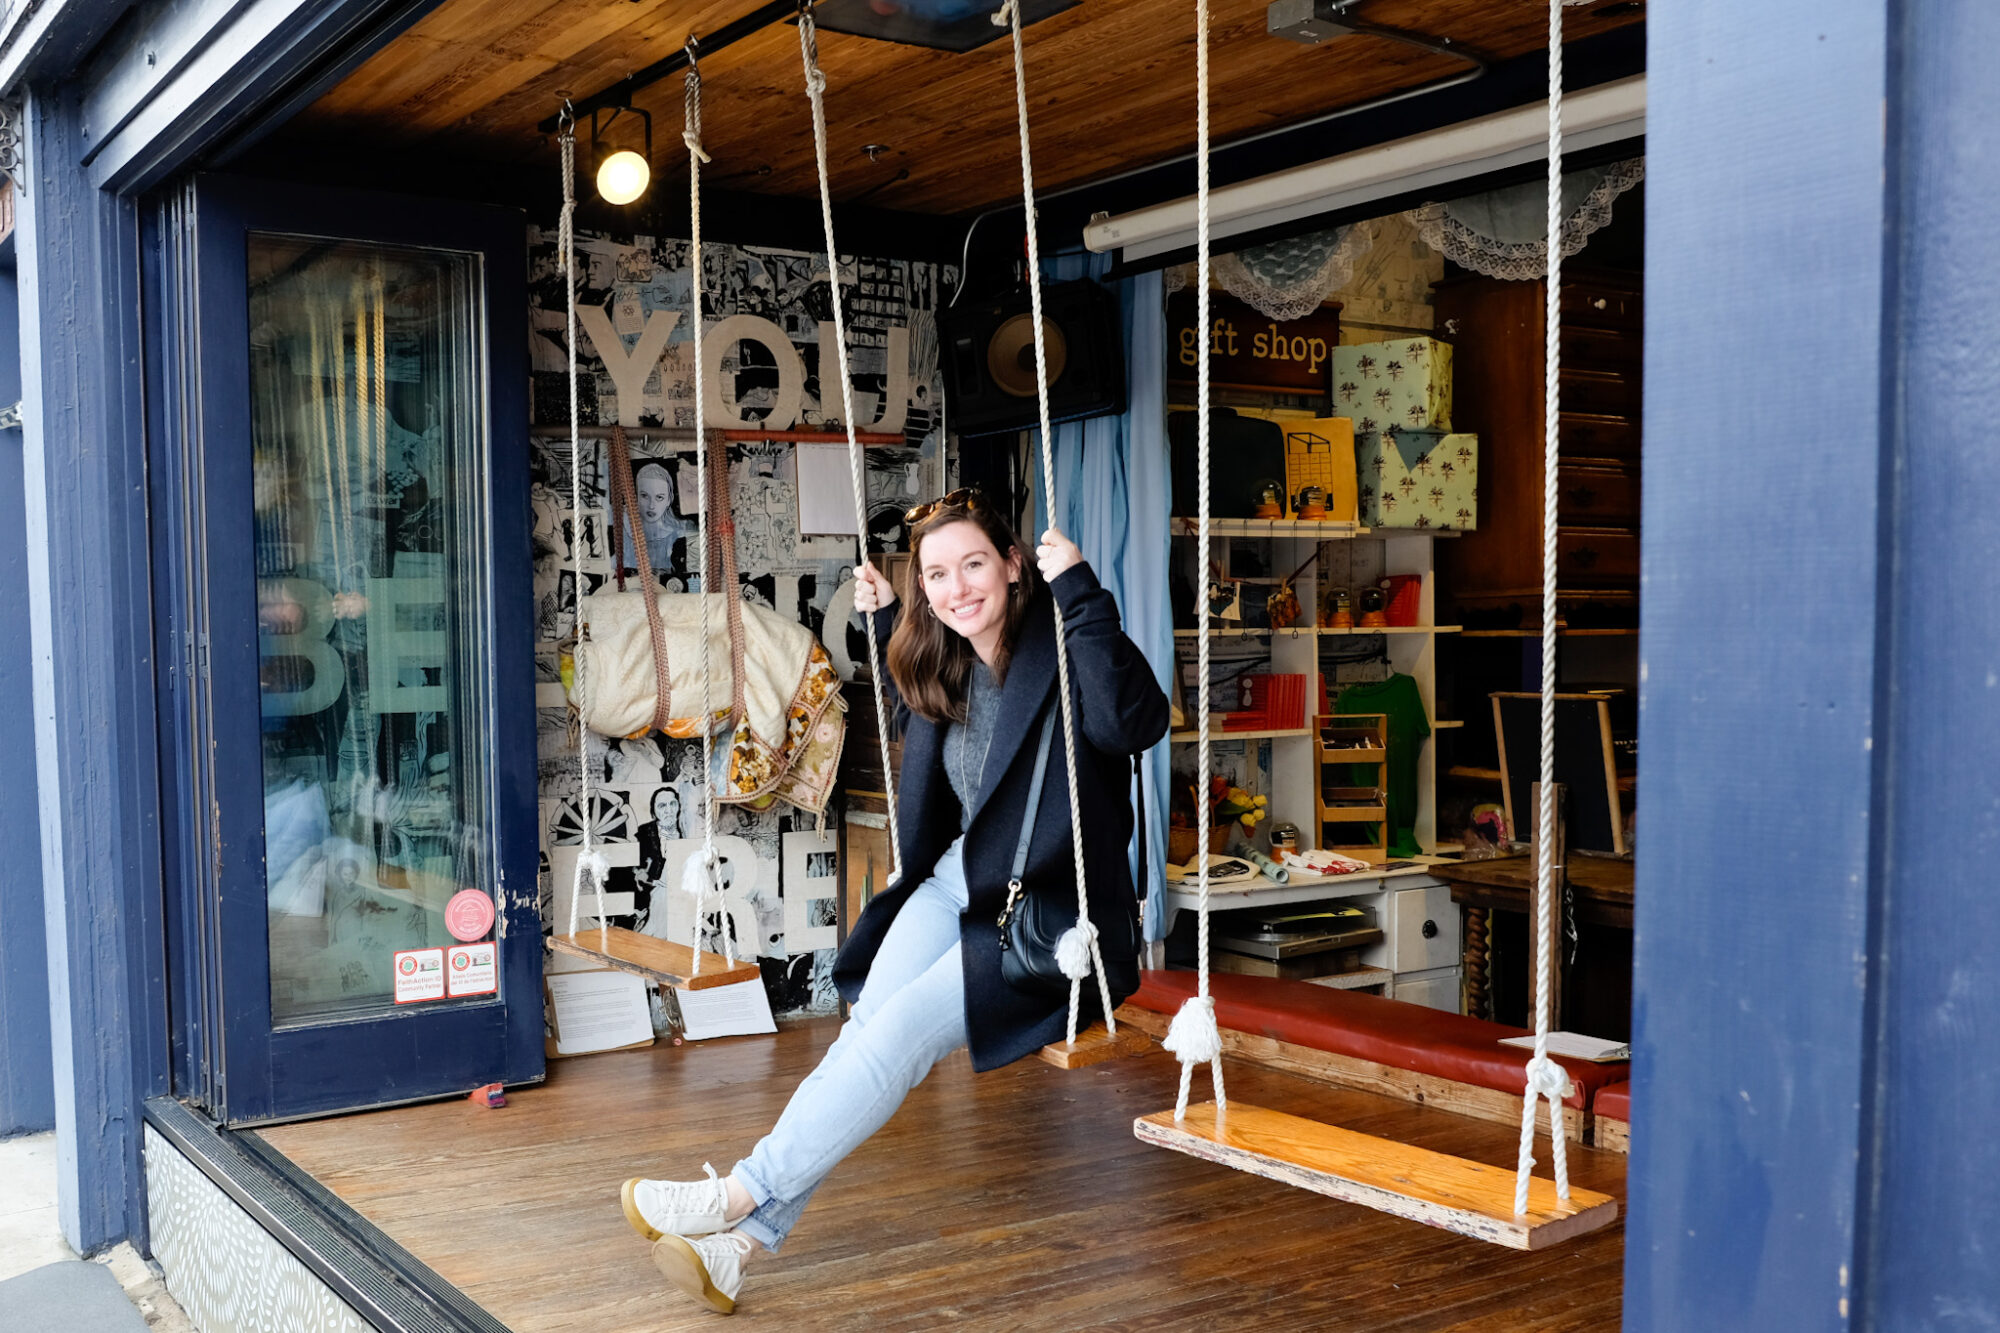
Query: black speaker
(989, 359)
(1244, 454)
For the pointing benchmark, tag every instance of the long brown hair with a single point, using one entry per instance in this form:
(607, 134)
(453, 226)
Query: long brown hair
(930, 662)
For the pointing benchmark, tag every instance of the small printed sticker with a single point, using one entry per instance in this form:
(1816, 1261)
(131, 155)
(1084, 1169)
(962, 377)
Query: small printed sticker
(471, 969)
(419, 975)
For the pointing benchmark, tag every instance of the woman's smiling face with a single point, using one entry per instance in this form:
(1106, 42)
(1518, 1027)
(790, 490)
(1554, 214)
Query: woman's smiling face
(967, 583)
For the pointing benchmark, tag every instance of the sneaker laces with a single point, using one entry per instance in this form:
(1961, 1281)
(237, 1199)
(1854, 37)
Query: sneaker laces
(690, 1196)
(714, 1247)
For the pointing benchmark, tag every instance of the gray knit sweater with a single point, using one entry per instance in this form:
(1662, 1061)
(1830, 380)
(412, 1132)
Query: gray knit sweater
(966, 743)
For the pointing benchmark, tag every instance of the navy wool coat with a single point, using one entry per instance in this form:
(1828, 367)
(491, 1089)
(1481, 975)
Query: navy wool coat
(1119, 711)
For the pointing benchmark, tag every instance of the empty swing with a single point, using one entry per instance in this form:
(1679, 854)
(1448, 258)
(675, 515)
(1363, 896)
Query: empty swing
(1453, 1193)
(682, 966)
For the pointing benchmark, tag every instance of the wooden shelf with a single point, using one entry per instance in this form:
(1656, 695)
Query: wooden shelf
(1323, 530)
(1613, 633)
(1444, 724)
(1391, 629)
(1218, 734)
(1324, 633)
(1226, 633)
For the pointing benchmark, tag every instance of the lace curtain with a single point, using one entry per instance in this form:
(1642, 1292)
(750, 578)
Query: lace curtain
(1502, 233)
(1287, 279)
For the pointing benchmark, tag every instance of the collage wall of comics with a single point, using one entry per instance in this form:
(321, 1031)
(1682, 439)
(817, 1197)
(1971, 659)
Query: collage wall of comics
(768, 330)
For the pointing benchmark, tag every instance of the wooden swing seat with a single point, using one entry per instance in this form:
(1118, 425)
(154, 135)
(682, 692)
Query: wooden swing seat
(657, 960)
(1096, 1044)
(1457, 1195)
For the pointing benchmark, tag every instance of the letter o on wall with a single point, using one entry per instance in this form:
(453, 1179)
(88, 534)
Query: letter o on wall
(721, 338)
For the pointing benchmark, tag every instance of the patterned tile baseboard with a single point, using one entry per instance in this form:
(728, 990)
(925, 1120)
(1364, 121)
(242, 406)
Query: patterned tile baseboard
(229, 1274)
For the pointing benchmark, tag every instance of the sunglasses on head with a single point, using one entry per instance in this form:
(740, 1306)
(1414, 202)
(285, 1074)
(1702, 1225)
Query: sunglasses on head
(967, 496)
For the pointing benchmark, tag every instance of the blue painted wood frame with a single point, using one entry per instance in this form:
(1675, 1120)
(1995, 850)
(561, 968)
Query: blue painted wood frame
(95, 732)
(1766, 249)
(1929, 1154)
(410, 1053)
(27, 1071)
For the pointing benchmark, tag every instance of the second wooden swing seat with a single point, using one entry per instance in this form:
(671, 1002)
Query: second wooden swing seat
(1387, 1047)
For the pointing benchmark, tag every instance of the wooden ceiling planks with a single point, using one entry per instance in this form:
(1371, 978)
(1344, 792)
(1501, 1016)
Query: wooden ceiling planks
(1111, 86)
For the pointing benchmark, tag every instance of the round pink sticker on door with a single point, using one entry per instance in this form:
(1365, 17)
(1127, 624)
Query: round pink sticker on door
(469, 915)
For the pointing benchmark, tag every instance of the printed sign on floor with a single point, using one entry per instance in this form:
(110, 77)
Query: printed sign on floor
(419, 975)
(471, 969)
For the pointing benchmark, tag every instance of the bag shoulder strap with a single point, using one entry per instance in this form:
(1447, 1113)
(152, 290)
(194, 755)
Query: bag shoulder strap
(624, 506)
(1034, 796)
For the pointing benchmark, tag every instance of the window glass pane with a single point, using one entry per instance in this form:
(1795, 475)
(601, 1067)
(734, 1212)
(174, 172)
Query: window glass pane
(365, 388)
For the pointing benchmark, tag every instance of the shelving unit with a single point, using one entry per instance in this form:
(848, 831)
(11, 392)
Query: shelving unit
(1354, 740)
(1424, 965)
(1411, 648)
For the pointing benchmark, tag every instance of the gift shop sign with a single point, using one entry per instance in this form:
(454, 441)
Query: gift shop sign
(1252, 351)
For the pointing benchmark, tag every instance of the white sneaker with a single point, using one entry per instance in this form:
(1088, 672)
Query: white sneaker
(658, 1208)
(708, 1268)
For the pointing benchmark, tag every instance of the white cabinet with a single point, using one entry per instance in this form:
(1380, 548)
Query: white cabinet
(1419, 951)
(1423, 930)
(1434, 991)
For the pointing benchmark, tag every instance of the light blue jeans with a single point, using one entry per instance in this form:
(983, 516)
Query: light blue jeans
(911, 1015)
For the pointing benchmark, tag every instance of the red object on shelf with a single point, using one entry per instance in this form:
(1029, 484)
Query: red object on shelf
(1277, 703)
(1403, 597)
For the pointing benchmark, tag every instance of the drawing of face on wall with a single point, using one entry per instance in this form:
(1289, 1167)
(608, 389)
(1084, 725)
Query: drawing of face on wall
(666, 814)
(656, 493)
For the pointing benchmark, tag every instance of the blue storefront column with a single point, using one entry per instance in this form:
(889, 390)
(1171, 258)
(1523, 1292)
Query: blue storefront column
(95, 738)
(27, 1079)
(1817, 1008)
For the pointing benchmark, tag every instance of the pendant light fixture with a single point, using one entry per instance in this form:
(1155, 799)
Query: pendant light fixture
(622, 174)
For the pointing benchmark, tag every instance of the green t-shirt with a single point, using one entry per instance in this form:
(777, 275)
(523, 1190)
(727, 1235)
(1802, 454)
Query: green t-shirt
(1397, 699)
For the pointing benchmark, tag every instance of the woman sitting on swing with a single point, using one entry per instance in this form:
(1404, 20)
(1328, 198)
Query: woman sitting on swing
(972, 675)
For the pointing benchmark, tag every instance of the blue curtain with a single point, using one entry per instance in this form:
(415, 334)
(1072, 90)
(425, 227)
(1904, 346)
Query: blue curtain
(1111, 488)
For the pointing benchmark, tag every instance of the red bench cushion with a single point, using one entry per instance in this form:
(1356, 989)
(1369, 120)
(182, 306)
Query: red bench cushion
(1368, 1027)
(1614, 1101)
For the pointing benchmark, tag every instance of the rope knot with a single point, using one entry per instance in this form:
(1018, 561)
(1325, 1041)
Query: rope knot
(1003, 17)
(693, 142)
(702, 875)
(1192, 1035)
(1548, 1079)
(1073, 950)
(593, 866)
(815, 81)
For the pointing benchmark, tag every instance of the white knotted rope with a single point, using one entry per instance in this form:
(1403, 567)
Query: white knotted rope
(1077, 953)
(1545, 1078)
(816, 94)
(1193, 1035)
(591, 864)
(702, 875)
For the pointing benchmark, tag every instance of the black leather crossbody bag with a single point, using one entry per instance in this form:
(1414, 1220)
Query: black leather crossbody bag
(1032, 923)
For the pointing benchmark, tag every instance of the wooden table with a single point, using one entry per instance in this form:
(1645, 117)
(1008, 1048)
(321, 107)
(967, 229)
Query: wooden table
(1601, 898)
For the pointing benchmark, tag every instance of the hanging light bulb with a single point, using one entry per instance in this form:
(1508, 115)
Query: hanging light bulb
(623, 177)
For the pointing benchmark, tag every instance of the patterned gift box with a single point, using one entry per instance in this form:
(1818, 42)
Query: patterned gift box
(1394, 385)
(1418, 479)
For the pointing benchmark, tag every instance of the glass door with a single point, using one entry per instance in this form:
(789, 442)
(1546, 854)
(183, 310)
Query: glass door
(361, 520)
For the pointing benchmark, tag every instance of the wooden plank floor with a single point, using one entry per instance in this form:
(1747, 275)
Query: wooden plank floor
(1016, 1201)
